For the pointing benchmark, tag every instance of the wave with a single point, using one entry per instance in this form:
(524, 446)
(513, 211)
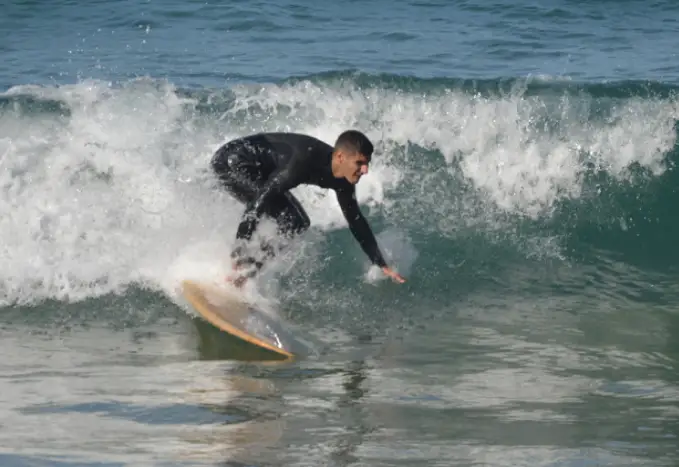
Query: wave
(105, 185)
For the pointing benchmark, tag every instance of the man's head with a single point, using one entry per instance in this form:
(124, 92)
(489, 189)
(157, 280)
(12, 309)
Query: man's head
(351, 156)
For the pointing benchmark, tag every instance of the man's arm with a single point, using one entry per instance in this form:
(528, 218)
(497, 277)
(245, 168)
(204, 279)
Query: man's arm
(361, 230)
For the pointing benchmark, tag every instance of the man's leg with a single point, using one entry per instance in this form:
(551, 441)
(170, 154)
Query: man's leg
(291, 220)
(239, 175)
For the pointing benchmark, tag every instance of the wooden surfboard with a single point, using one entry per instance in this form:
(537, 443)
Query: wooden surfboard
(229, 314)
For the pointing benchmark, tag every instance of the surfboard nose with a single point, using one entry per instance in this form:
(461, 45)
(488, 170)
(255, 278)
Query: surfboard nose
(244, 321)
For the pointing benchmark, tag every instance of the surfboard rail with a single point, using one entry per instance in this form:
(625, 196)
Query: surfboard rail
(225, 308)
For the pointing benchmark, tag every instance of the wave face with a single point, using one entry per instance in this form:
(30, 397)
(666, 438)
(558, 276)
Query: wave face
(106, 186)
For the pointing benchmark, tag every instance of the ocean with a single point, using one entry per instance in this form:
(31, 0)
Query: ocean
(524, 183)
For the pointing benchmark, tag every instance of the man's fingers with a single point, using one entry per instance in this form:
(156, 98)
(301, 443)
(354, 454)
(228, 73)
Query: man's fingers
(399, 278)
(393, 274)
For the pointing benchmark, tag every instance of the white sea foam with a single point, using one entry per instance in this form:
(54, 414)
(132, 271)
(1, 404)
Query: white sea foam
(118, 191)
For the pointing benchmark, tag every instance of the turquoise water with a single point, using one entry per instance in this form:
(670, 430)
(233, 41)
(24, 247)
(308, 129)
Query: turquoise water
(524, 183)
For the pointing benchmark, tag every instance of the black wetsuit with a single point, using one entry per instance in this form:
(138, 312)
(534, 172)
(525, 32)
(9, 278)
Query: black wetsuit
(259, 170)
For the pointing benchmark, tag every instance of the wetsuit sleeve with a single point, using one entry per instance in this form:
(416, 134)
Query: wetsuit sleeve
(359, 226)
(281, 181)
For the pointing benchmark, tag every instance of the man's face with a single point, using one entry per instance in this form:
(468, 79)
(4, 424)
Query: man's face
(354, 166)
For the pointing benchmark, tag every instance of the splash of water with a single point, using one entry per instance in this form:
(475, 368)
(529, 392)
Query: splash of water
(116, 190)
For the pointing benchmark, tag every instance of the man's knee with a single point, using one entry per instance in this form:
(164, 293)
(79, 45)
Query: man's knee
(294, 219)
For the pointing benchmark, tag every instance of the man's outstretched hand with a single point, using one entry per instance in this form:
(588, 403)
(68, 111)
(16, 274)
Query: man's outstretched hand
(393, 274)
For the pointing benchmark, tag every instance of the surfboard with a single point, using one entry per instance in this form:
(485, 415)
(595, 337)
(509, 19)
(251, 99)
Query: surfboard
(236, 317)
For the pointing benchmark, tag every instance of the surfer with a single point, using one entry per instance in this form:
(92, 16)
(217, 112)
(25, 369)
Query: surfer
(260, 170)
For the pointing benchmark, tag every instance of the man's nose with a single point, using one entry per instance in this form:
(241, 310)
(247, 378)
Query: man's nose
(364, 169)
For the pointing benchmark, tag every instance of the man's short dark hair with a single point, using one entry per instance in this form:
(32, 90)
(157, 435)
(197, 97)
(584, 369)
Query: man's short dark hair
(355, 141)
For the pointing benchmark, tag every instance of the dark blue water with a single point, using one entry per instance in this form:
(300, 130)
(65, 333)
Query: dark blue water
(524, 182)
(213, 44)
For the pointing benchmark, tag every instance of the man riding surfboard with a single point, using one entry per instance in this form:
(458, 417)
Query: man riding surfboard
(261, 169)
